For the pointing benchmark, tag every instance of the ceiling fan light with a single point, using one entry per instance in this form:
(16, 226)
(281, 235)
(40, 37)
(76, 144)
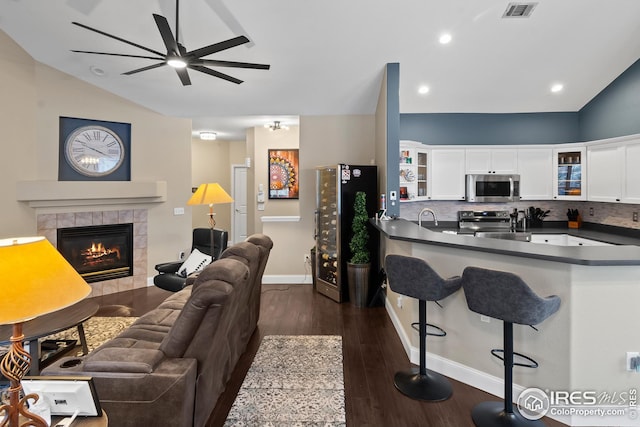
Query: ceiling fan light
(176, 62)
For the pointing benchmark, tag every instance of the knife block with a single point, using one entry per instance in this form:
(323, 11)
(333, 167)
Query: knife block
(575, 224)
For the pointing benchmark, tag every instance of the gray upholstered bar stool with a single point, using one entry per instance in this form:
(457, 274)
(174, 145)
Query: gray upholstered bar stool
(507, 297)
(414, 278)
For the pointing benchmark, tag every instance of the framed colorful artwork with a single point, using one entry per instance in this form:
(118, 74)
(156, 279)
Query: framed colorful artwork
(283, 174)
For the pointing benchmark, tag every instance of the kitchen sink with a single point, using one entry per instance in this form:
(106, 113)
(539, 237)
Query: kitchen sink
(522, 236)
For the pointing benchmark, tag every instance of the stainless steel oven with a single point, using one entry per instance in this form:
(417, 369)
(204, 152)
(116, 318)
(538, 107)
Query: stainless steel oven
(492, 188)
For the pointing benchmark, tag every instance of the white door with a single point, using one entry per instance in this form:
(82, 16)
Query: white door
(239, 219)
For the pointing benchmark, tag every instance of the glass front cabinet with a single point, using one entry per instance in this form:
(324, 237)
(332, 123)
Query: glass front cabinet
(414, 172)
(570, 174)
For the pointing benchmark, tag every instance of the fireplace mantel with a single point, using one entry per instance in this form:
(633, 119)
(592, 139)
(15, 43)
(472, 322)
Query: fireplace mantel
(39, 194)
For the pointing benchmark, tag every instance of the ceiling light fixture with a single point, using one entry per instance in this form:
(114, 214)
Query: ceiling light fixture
(557, 88)
(423, 90)
(445, 38)
(176, 62)
(208, 136)
(276, 126)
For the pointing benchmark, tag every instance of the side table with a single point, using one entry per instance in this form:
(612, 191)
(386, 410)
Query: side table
(52, 323)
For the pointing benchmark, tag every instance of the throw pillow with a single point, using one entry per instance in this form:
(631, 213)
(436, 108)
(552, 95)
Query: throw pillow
(196, 262)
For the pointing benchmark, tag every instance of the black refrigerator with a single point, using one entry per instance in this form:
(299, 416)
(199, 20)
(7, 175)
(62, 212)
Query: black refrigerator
(336, 188)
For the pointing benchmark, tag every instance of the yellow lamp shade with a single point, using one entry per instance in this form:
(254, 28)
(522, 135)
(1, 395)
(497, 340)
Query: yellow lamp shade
(35, 279)
(209, 194)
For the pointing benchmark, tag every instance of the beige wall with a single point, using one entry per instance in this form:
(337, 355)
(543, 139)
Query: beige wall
(324, 140)
(35, 96)
(211, 162)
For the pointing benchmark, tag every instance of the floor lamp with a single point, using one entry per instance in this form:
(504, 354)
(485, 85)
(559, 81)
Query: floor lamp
(210, 194)
(36, 280)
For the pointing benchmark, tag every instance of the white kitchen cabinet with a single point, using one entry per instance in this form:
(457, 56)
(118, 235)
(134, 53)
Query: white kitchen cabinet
(447, 173)
(535, 167)
(491, 160)
(565, 240)
(606, 172)
(631, 182)
(414, 172)
(614, 174)
(570, 173)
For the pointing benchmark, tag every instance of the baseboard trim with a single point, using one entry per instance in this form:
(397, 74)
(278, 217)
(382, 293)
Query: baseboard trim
(286, 279)
(273, 279)
(459, 372)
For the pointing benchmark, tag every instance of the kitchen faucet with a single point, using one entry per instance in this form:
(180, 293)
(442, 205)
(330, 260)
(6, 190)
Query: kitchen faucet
(523, 221)
(422, 212)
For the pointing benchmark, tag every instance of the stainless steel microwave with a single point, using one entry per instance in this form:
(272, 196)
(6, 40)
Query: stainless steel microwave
(492, 188)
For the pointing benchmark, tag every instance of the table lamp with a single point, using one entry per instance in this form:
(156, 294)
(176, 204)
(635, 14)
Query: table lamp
(36, 280)
(210, 194)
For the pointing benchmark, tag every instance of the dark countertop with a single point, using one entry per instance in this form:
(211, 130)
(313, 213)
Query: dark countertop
(626, 251)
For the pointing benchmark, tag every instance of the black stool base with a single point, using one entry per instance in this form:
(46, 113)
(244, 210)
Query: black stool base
(432, 386)
(492, 414)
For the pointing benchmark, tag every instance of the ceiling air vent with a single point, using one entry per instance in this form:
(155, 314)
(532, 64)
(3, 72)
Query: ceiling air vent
(519, 10)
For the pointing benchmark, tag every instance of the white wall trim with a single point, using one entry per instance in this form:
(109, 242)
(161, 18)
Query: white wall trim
(280, 218)
(287, 279)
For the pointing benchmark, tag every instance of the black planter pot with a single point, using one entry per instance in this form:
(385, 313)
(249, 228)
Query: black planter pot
(358, 279)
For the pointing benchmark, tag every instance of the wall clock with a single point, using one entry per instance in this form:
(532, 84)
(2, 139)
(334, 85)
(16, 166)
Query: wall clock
(94, 150)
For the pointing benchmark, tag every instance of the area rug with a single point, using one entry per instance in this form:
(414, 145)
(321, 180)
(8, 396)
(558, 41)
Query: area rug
(97, 330)
(293, 381)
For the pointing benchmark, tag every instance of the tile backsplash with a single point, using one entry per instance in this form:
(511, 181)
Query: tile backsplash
(616, 214)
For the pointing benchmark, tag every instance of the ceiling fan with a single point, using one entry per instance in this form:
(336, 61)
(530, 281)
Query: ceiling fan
(177, 56)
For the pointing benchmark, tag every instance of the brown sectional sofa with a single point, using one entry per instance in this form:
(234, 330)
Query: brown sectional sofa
(172, 364)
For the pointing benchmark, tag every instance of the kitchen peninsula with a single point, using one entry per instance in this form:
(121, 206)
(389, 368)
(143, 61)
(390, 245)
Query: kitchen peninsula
(581, 347)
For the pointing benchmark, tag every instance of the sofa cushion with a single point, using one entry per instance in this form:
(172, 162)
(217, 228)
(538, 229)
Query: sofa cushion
(206, 300)
(118, 359)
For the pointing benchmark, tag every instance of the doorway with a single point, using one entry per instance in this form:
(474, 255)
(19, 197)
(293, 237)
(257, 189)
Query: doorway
(239, 207)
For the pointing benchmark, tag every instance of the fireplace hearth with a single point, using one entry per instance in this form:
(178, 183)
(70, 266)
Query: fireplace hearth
(98, 252)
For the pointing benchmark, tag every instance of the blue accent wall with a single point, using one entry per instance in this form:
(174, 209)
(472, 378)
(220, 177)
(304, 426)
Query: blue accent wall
(616, 110)
(613, 112)
(490, 129)
(393, 134)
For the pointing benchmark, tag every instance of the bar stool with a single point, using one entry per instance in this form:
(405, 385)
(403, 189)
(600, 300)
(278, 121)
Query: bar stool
(414, 278)
(507, 297)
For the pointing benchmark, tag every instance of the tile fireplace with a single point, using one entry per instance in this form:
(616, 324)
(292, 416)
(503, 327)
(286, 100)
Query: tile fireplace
(50, 223)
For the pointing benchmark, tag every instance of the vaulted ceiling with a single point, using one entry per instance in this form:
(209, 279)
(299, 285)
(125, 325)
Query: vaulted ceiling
(327, 57)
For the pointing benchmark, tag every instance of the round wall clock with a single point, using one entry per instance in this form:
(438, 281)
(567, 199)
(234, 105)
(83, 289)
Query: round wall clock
(94, 150)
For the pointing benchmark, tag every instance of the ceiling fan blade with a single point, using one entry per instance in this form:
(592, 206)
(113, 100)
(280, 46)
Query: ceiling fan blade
(217, 47)
(149, 67)
(215, 73)
(167, 36)
(118, 38)
(118, 54)
(184, 76)
(232, 64)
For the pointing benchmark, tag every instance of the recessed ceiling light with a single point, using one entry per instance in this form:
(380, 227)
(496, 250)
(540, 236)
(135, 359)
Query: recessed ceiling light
(423, 90)
(208, 136)
(557, 87)
(445, 38)
(97, 71)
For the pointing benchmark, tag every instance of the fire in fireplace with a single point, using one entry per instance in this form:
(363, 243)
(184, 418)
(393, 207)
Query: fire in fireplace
(98, 252)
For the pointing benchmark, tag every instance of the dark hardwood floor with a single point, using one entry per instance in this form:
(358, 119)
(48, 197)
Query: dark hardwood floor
(372, 354)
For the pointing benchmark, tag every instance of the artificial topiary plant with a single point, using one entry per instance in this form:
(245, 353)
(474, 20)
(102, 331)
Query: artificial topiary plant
(358, 243)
